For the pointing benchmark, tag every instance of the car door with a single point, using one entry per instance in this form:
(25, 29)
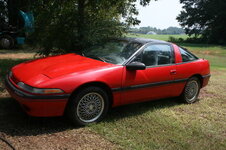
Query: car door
(156, 81)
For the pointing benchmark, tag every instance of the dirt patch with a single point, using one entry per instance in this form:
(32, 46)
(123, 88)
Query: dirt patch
(205, 93)
(3, 92)
(76, 139)
(4, 146)
(17, 56)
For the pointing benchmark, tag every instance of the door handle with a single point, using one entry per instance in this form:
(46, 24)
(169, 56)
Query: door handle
(173, 72)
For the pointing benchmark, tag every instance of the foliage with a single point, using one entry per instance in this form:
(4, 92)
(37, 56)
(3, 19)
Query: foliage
(72, 25)
(190, 39)
(145, 30)
(9, 12)
(3, 13)
(205, 17)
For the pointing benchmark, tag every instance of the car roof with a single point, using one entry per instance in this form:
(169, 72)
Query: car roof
(143, 40)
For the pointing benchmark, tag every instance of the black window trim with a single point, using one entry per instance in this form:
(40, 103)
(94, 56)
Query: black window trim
(153, 43)
(129, 60)
(188, 61)
(185, 49)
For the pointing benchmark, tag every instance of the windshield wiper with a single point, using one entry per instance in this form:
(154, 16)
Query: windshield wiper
(96, 57)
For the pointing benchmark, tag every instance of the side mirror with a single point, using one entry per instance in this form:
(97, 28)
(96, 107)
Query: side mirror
(136, 66)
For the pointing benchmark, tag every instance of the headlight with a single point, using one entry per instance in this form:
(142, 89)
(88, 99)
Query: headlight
(37, 90)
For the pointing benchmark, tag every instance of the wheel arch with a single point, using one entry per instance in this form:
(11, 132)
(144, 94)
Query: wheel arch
(199, 76)
(102, 85)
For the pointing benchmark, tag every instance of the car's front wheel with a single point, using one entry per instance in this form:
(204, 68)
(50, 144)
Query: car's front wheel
(87, 106)
(191, 90)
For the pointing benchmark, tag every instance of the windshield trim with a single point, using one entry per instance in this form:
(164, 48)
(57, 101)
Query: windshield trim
(126, 60)
(134, 54)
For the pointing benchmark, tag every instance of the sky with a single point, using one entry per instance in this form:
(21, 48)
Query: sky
(160, 14)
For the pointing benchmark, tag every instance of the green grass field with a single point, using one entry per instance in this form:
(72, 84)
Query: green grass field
(214, 53)
(164, 124)
(158, 37)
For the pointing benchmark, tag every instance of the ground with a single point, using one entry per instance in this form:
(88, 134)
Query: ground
(162, 124)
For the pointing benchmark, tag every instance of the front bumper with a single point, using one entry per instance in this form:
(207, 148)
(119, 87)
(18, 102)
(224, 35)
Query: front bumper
(38, 105)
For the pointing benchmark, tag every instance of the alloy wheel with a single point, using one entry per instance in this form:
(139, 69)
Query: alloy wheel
(90, 107)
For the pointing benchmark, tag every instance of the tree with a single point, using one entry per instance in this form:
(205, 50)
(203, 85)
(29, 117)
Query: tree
(145, 30)
(3, 14)
(62, 26)
(206, 18)
(9, 12)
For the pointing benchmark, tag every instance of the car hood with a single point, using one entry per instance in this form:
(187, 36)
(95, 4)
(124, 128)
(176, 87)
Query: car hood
(55, 66)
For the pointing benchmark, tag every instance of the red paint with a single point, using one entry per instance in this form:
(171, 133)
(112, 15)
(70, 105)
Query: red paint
(149, 75)
(43, 108)
(69, 72)
(178, 58)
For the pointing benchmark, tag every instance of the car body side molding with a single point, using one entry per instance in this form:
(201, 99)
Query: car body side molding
(148, 85)
(153, 84)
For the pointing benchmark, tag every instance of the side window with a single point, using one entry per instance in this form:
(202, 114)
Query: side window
(186, 55)
(158, 54)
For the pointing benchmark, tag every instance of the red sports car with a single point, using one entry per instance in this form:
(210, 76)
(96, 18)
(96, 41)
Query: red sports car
(118, 72)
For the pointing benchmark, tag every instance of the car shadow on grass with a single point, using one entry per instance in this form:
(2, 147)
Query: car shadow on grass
(140, 108)
(14, 122)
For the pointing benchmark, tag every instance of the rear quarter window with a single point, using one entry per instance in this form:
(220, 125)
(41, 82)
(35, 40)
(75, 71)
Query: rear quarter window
(186, 55)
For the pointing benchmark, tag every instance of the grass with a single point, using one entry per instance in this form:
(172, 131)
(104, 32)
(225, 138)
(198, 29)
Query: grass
(159, 37)
(214, 53)
(167, 124)
(163, 124)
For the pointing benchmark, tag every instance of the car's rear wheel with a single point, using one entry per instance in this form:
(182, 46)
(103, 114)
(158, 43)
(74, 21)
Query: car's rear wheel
(87, 106)
(191, 90)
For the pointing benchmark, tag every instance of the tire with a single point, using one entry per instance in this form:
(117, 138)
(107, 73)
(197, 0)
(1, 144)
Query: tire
(88, 106)
(7, 42)
(191, 91)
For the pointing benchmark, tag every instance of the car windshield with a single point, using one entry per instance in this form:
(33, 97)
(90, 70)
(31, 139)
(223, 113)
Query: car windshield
(115, 52)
